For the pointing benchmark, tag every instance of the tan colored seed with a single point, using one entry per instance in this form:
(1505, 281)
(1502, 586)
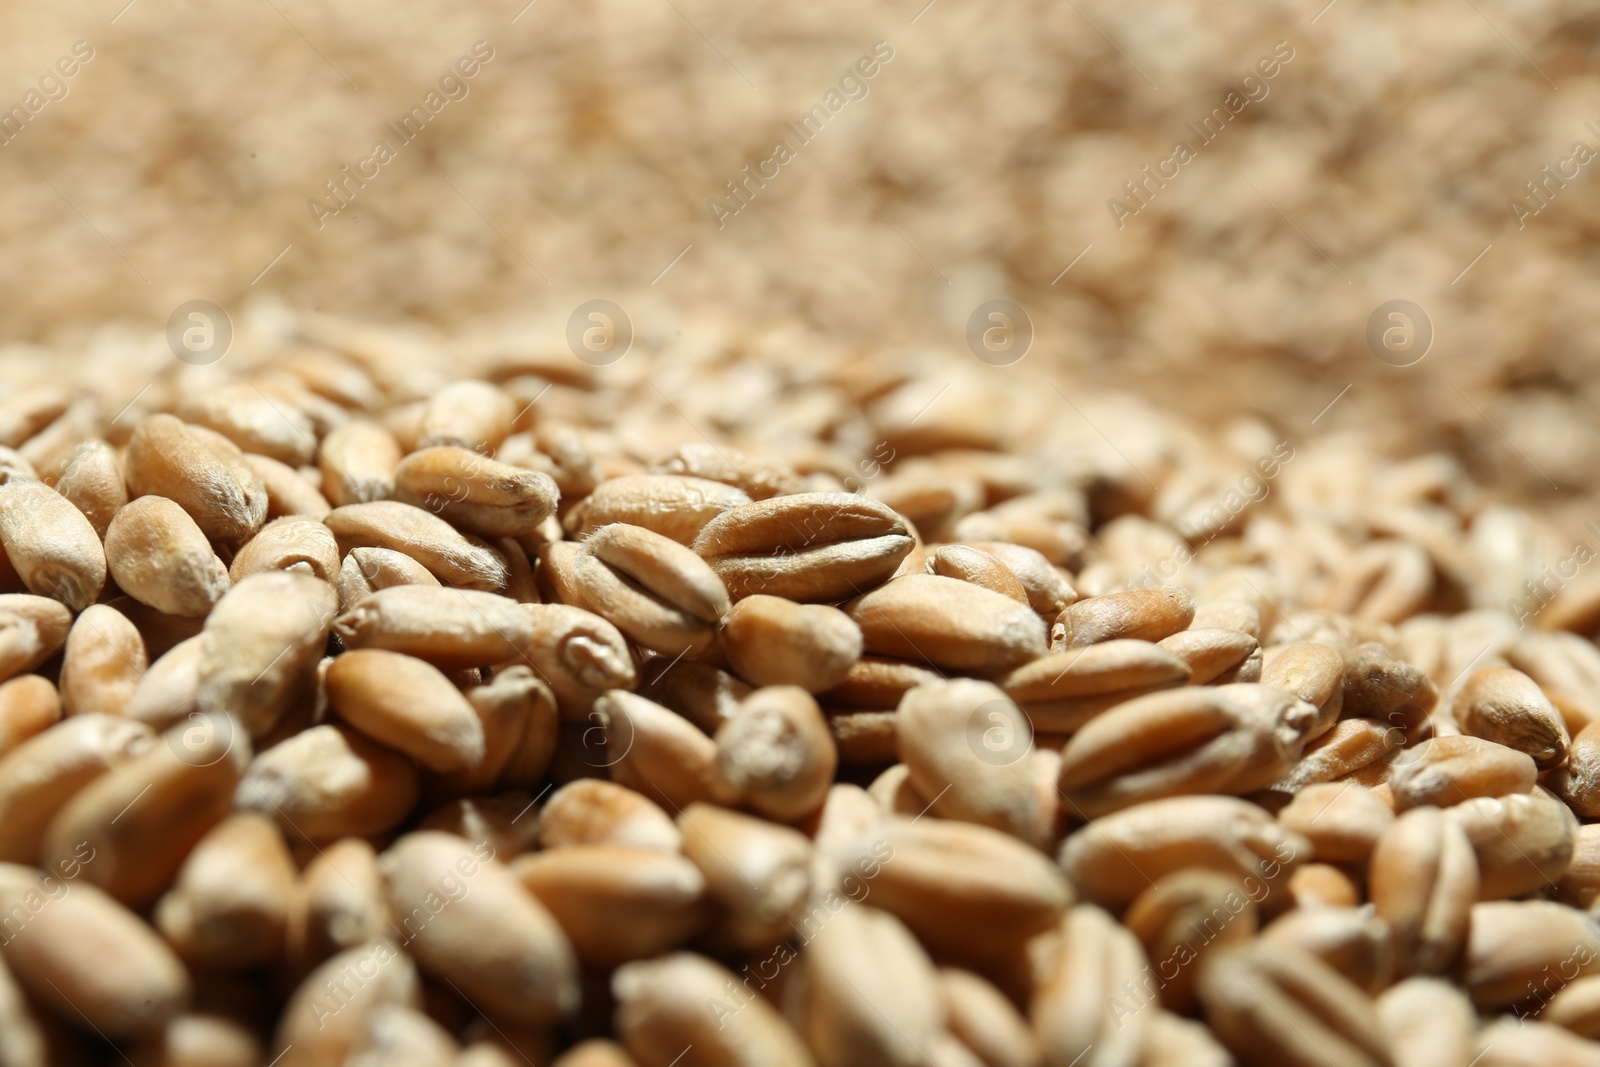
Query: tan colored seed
(1423, 880)
(595, 1052)
(404, 703)
(50, 543)
(775, 755)
(1531, 1043)
(1183, 918)
(878, 682)
(329, 782)
(203, 473)
(397, 1036)
(358, 462)
(662, 1009)
(294, 542)
(561, 453)
(1576, 1007)
(758, 478)
(43, 773)
(15, 464)
(1226, 739)
(475, 493)
(32, 629)
(1342, 820)
(557, 582)
(22, 1038)
(1322, 885)
(247, 416)
(1351, 940)
(428, 539)
(1046, 587)
(985, 1021)
(1429, 1023)
(1145, 614)
(672, 505)
(1506, 706)
(1209, 653)
(28, 706)
(758, 873)
(1384, 580)
(809, 547)
(1114, 858)
(951, 624)
(253, 420)
(652, 750)
(93, 484)
(1515, 945)
(1172, 1039)
(592, 811)
(522, 727)
(1523, 842)
(143, 816)
(966, 891)
(375, 974)
(1281, 1007)
(103, 662)
(1228, 612)
(587, 886)
(871, 994)
(895, 793)
(1313, 672)
(1117, 666)
(579, 654)
(1379, 686)
(28, 411)
(260, 644)
(650, 587)
(772, 641)
(1567, 668)
(966, 744)
(493, 940)
(517, 715)
(367, 570)
(160, 557)
(467, 414)
(230, 904)
(449, 628)
(1577, 782)
(288, 491)
(169, 689)
(50, 450)
(85, 956)
(1580, 884)
(1448, 770)
(1071, 1011)
(340, 903)
(978, 567)
(1353, 746)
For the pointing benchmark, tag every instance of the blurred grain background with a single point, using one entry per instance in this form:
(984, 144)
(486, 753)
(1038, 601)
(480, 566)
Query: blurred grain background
(979, 165)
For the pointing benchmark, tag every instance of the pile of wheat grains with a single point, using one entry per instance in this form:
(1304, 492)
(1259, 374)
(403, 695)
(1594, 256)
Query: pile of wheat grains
(376, 697)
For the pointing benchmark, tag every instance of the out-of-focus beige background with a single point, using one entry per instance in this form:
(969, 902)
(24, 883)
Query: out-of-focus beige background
(1379, 164)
